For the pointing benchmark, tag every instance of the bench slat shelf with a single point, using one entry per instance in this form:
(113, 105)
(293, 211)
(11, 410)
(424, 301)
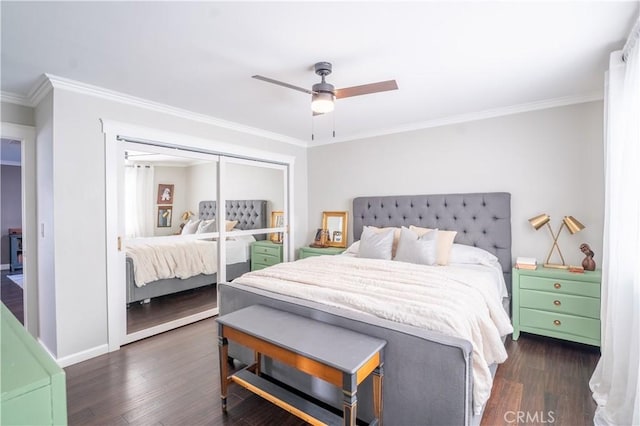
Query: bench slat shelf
(289, 401)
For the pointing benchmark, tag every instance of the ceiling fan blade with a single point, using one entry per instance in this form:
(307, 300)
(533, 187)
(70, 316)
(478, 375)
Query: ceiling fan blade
(365, 89)
(280, 83)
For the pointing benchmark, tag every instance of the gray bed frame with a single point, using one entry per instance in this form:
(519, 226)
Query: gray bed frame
(250, 214)
(428, 378)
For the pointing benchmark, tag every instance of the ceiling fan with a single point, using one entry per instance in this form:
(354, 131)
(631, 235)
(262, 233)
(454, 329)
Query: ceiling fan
(323, 94)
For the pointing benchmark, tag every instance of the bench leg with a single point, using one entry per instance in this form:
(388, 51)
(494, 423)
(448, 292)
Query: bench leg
(350, 408)
(378, 375)
(258, 360)
(223, 349)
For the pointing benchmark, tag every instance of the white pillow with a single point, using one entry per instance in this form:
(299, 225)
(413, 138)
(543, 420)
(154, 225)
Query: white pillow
(190, 227)
(207, 226)
(461, 253)
(444, 243)
(414, 249)
(376, 245)
(396, 236)
(353, 248)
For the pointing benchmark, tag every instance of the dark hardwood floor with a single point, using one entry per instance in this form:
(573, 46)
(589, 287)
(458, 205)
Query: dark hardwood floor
(11, 295)
(546, 379)
(170, 307)
(172, 379)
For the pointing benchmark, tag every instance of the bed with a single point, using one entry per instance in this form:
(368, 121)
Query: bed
(250, 214)
(428, 375)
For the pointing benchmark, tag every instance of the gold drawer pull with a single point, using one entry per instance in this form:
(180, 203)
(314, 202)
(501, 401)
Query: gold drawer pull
(557, 302)
(556, 322)
(557, 285)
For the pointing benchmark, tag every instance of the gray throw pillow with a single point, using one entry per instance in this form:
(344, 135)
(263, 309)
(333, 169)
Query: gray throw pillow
(207, 226)
(376, 245)
(190, 227)
(414, 249)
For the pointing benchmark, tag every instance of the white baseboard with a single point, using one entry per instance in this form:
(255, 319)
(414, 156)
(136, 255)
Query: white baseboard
(4, 267)
(78, 356)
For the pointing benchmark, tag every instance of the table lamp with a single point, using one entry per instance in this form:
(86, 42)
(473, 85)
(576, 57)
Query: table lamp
(572, 224)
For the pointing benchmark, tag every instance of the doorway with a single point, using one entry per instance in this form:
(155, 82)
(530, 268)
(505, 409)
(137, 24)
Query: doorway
(18, 224)
(11, 226)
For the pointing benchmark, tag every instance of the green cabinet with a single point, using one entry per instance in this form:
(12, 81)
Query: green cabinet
(557, 303)
(264, 254)
(316, 251)
(33, 385)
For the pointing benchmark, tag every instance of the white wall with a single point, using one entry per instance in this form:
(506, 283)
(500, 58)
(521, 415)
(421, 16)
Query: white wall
(47, 307)
(18, 114)
(551, 161)
(78, 159)
(256, 183)
(245, 183)
(202, 180)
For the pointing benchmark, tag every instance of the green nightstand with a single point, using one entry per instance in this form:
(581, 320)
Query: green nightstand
(557, 303)
(265, 253)
(314, 251)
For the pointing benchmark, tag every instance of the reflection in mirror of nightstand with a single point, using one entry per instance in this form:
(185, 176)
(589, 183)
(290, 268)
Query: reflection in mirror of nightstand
(314, 251)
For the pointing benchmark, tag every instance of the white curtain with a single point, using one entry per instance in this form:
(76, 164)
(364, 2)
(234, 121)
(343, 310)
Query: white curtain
(616, 380)
(139, 201)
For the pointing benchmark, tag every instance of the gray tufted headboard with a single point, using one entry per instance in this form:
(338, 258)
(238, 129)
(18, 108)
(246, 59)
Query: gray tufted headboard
(250, 214)
(481, 219)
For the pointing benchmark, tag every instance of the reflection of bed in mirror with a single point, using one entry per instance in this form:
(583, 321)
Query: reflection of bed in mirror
(250, 214)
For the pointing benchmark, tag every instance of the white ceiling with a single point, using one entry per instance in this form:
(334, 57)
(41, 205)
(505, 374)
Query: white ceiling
(449, 58)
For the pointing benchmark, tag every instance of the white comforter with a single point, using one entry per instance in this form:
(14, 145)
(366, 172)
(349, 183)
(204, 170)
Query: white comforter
(461, 301)
(181, 258)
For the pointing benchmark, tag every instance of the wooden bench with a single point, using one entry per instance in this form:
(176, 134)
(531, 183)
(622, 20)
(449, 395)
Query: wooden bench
(341, 357)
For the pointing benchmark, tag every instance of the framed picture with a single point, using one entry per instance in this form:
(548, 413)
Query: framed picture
(337, 237)
(277, 221)
(165, 193)
(164, 216)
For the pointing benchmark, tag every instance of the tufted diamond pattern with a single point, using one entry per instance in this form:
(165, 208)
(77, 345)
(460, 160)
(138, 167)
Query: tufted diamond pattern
(481, 219)
(250, 214)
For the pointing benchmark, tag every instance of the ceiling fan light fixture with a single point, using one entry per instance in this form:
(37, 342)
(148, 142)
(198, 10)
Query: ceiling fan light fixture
(322, 102)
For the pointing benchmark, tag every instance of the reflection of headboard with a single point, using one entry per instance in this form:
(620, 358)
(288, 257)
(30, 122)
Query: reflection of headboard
(250, 214)
(481, 219)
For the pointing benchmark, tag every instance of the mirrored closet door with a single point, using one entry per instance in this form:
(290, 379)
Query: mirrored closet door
(176, 247)
(170, 234)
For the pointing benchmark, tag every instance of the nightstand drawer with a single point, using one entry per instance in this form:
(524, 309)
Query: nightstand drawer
(265, 259)
(561, 303)
(560, 323)
(272, 251)
(553, 285)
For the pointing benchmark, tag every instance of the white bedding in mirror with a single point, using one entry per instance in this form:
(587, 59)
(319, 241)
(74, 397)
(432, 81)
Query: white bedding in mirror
(182, 257)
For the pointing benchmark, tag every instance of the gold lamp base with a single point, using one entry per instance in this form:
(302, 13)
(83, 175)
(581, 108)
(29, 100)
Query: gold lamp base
(555, 266)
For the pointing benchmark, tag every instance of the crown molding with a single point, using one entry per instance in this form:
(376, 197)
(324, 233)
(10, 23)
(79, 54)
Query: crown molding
(14, 98)
(42, 87)
(50, 81)
(100, 92)
(474, 116)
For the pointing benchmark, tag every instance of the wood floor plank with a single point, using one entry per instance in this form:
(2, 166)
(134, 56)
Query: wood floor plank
(172, 379)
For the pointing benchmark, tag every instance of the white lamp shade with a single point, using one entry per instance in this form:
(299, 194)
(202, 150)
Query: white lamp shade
(322, 102)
